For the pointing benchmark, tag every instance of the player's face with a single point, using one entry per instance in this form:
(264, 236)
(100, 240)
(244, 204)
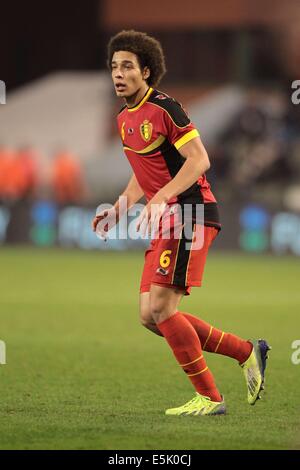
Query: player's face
(127, 75)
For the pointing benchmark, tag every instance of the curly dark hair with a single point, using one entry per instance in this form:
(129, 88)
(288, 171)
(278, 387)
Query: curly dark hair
(147, 49)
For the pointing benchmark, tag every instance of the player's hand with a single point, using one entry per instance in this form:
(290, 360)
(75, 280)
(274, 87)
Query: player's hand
(103, 221)
(97, 219)
(151, 215)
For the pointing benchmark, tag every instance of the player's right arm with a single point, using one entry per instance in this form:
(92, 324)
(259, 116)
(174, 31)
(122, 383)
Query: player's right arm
(133, 192)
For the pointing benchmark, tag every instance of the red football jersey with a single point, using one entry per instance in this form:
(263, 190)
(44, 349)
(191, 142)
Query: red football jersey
(152, 133)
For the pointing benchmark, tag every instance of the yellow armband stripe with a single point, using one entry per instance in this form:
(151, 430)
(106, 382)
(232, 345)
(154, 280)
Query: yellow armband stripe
(186, 138)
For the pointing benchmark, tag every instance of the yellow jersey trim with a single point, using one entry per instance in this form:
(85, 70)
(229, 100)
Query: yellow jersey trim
(186, 138)
(135, 108)
(174, 269)
(150, 147)
(191, 249)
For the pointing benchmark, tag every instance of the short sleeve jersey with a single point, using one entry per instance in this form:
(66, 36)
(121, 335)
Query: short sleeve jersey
(152, 134)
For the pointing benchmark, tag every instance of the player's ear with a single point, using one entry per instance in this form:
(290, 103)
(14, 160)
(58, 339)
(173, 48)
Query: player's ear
(146, 73)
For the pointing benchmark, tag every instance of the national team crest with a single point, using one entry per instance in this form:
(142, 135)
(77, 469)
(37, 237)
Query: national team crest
(146, 130)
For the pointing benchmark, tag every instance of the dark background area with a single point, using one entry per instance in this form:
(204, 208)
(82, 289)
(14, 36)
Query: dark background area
(41, 37)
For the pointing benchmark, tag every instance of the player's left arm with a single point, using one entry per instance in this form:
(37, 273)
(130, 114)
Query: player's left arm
(176, 125)
(195, 165)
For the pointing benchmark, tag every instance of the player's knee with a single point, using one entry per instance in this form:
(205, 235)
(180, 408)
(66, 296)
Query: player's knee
(146, 318)
(146, 322)
(158, 310)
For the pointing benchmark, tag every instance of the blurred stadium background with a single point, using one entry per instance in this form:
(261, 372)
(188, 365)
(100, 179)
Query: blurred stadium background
(232, 65)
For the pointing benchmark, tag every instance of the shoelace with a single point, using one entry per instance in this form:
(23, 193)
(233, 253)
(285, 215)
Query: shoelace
(199, 399)
(191, 402)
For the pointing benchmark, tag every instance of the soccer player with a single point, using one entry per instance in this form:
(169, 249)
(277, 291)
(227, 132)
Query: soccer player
(169, 163)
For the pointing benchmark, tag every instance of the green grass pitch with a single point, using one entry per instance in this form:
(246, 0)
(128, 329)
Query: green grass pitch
(82, 373)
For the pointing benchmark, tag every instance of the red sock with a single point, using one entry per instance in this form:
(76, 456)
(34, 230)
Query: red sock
(186, 346)
(214, 340)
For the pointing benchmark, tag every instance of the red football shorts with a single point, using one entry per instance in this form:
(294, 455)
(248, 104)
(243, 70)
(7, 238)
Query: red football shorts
(177, 262)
